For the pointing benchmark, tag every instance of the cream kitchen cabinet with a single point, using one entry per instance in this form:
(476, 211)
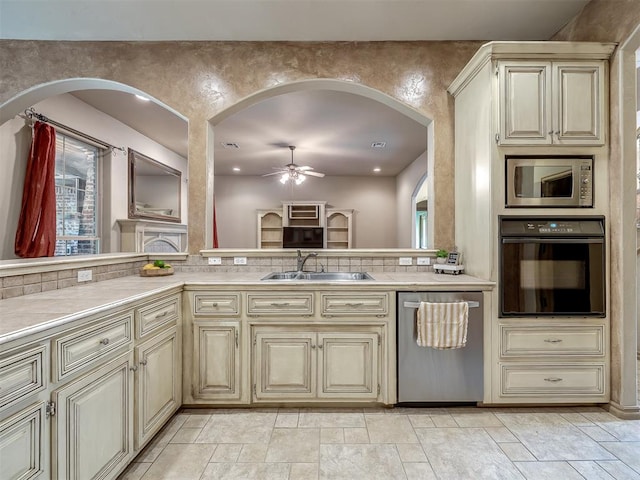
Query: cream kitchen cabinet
(315, 363)
(544, 102)
(217, 361)
(24, 426)
(213, 348)
(158, 386)
(559, 361)
(157, 365)
(24, 444)
(92, 428)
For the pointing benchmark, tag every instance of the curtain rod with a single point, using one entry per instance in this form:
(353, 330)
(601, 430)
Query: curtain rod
(31, 114)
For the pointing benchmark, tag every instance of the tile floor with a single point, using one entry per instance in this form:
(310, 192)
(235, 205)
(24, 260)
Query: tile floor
(465, 443)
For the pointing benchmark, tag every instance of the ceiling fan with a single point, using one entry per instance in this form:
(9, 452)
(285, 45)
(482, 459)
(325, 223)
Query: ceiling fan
(293, 172)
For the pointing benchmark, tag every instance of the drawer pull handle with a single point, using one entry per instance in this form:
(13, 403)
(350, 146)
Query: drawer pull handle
(104, 341)
(281, 304)
(143, 362)
(163, 314)
(553, 379)
(552, 340)
(355, 304)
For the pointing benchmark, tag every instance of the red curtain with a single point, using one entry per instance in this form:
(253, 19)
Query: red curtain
(215, 226)
(36, 233)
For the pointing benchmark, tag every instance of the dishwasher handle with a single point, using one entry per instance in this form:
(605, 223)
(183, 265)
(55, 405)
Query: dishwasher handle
(417, 304)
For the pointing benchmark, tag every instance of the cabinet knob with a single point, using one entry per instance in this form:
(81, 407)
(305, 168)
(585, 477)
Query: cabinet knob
(104, 341)
(313, 346)
(320, 346)
(142, 362)
(133, 368)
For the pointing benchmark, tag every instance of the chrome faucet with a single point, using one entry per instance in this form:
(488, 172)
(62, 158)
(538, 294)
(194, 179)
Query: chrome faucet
(301, 260)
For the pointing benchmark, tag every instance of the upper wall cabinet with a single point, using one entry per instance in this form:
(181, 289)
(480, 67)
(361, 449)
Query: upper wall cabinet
(552, 102)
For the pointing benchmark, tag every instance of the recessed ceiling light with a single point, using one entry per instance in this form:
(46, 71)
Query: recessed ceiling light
(142, 97)
(377, 169)
(378, 144)
(229, 145)
(236, 169)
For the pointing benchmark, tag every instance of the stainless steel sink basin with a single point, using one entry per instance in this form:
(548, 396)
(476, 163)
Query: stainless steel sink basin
(319, 276)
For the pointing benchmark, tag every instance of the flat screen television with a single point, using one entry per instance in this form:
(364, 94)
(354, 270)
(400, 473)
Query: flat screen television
(302, 237)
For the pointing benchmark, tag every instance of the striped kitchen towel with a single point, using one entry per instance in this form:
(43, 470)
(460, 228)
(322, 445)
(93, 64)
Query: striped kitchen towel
(442, 325)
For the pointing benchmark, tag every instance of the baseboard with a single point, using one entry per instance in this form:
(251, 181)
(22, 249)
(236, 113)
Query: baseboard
(626, 413)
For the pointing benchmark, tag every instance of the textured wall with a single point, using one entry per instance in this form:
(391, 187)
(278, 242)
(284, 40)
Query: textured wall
(612, 21)
(200, 79)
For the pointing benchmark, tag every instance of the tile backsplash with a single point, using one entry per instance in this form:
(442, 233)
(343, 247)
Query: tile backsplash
(18, 285)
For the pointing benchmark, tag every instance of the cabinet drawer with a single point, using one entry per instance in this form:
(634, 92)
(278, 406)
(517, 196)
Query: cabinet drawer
(552, 380)
(218, 304)
(22, 374)
(355, 304)
(280, 304)
(549, 341)
(161, 313)
(91, 344)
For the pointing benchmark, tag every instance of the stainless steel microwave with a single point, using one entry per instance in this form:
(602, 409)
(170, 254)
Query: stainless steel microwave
(558, 181)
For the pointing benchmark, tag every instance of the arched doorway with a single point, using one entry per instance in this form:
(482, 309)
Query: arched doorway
(328, 85)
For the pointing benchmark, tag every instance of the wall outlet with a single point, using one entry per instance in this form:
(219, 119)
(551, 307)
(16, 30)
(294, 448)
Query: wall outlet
(405, 261)
(85, 275)
(424, 261)
(239, 260)
(215, 260)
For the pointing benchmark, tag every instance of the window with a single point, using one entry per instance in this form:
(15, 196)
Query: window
(76, 197)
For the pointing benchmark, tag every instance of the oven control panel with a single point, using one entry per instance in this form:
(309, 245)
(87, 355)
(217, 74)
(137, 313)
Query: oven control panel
(551, 226)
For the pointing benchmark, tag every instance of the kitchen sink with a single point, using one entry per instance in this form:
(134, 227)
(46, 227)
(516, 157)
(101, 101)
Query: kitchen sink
(318, 276)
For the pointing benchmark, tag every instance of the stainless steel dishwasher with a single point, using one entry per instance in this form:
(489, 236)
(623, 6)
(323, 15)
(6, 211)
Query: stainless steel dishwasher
(430, 376)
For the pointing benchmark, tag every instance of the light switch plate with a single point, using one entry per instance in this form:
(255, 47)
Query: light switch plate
(85, 275)
(215, 260)
(405, 261)
(424, 261)
(239, 260)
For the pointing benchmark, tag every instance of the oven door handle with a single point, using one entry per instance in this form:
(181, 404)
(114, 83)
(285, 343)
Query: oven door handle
(552, 240)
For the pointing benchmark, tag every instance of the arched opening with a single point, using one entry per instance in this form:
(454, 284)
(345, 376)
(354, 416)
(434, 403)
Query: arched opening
(403, 223)
(85, 109)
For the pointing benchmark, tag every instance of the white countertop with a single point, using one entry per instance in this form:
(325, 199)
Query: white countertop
(30, 314)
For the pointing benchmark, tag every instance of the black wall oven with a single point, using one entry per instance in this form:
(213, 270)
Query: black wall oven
(552, 266)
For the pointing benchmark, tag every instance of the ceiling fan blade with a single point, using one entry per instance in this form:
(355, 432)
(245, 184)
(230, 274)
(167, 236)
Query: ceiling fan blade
(280, 172)
(305, 168)
(314, 174)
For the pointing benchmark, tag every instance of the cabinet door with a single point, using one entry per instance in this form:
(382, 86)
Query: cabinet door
(216, 360)
(93, 426)
(348, 365)
(285, 365)
(525, 103)
(578, 103)
(158, 385)
(23, 444)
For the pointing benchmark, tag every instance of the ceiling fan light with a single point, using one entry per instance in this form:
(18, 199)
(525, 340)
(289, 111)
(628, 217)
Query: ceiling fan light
(284, 178)
(299, 179)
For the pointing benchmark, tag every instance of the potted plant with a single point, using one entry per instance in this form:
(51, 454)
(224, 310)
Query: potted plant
(441, 255)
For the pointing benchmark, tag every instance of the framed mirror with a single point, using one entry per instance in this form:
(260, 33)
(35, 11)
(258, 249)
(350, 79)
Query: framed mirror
(154, 189)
